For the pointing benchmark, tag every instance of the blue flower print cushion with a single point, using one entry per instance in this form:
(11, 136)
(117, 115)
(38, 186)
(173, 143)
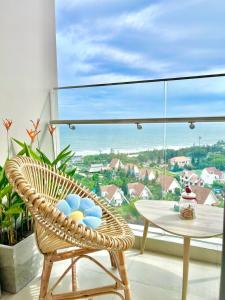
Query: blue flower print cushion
(73, 201)
(82, 210)
(64, 207)
(86, 203)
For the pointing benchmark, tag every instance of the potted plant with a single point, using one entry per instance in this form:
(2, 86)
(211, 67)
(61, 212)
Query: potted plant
(19, 256)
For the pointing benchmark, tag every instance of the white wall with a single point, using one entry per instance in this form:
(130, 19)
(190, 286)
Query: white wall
(28, 68)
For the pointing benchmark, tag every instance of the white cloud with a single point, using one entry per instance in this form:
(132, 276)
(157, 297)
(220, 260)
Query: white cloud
(153, 19)
(140, 19)
(129, 58)
(107, 77)
(167, 38)
(80, 49)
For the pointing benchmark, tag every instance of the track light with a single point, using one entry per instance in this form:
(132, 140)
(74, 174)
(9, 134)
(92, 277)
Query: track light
(72, 127)
(192, 125)
(139, 126)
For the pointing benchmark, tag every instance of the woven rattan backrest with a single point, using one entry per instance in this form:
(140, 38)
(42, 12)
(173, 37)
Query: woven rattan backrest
(41, 186)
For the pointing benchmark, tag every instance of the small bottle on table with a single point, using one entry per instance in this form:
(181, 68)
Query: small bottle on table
(188, 204)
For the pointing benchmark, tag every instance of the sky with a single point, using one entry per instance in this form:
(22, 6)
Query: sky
(114, 40)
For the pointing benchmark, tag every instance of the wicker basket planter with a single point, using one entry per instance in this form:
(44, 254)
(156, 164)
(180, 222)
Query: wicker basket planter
(19, 264)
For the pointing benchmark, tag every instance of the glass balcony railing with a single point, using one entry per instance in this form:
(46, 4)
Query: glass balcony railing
(147, 140)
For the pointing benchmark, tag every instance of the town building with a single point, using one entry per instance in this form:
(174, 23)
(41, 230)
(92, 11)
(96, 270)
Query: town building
(204, 195)
(138, 189)
(190, 178)
(95, 168)
(168, 183)
(146, 173)
(181, 161)
(113, 194)
(116, 164)
(132, 170)
(211, 174)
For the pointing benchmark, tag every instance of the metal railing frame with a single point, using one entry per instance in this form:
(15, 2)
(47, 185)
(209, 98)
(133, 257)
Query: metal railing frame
(141, 120)
(166, 79)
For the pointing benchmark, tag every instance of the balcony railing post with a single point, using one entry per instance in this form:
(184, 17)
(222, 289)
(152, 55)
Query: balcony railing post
(222, 279)
(54, 115)
(165, 123)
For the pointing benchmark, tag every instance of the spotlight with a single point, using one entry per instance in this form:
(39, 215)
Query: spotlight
(192, 125)
(139, 126)
(72, 127)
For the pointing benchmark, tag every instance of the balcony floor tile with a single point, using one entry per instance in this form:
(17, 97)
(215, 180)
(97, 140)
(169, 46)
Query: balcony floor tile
(152, 276)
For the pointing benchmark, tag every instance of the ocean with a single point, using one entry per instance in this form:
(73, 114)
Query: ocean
(93, 139)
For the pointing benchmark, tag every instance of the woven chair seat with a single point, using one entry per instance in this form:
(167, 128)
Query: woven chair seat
(41, 186)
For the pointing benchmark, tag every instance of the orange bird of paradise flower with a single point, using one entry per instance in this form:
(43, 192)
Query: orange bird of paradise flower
(32, 134)
(7, 123)
(51, 128)
(36, 124)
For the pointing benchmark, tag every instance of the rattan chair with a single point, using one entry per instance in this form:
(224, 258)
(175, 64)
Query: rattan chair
(41, 186)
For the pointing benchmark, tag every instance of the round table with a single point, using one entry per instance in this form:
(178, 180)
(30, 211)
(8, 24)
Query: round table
(208, 223)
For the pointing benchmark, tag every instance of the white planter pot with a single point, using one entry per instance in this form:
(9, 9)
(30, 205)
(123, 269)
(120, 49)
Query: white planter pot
(19, 264)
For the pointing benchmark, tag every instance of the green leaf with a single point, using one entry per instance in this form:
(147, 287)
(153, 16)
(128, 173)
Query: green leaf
(6, 190)
(6, 223)
(21, 144)
(62, 168)
(43, 157)
(60, 155)
(3, 179)
(21, 152)
(62, 158)
(34, 155)
(27, 150)
(16, 199)
(71, 172)
(14, 210)
(1, 208)
(64, 164)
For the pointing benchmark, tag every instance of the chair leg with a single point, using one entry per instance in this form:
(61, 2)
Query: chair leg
(123, 274)
(74, 276)
(112, 259)
(46, 272)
